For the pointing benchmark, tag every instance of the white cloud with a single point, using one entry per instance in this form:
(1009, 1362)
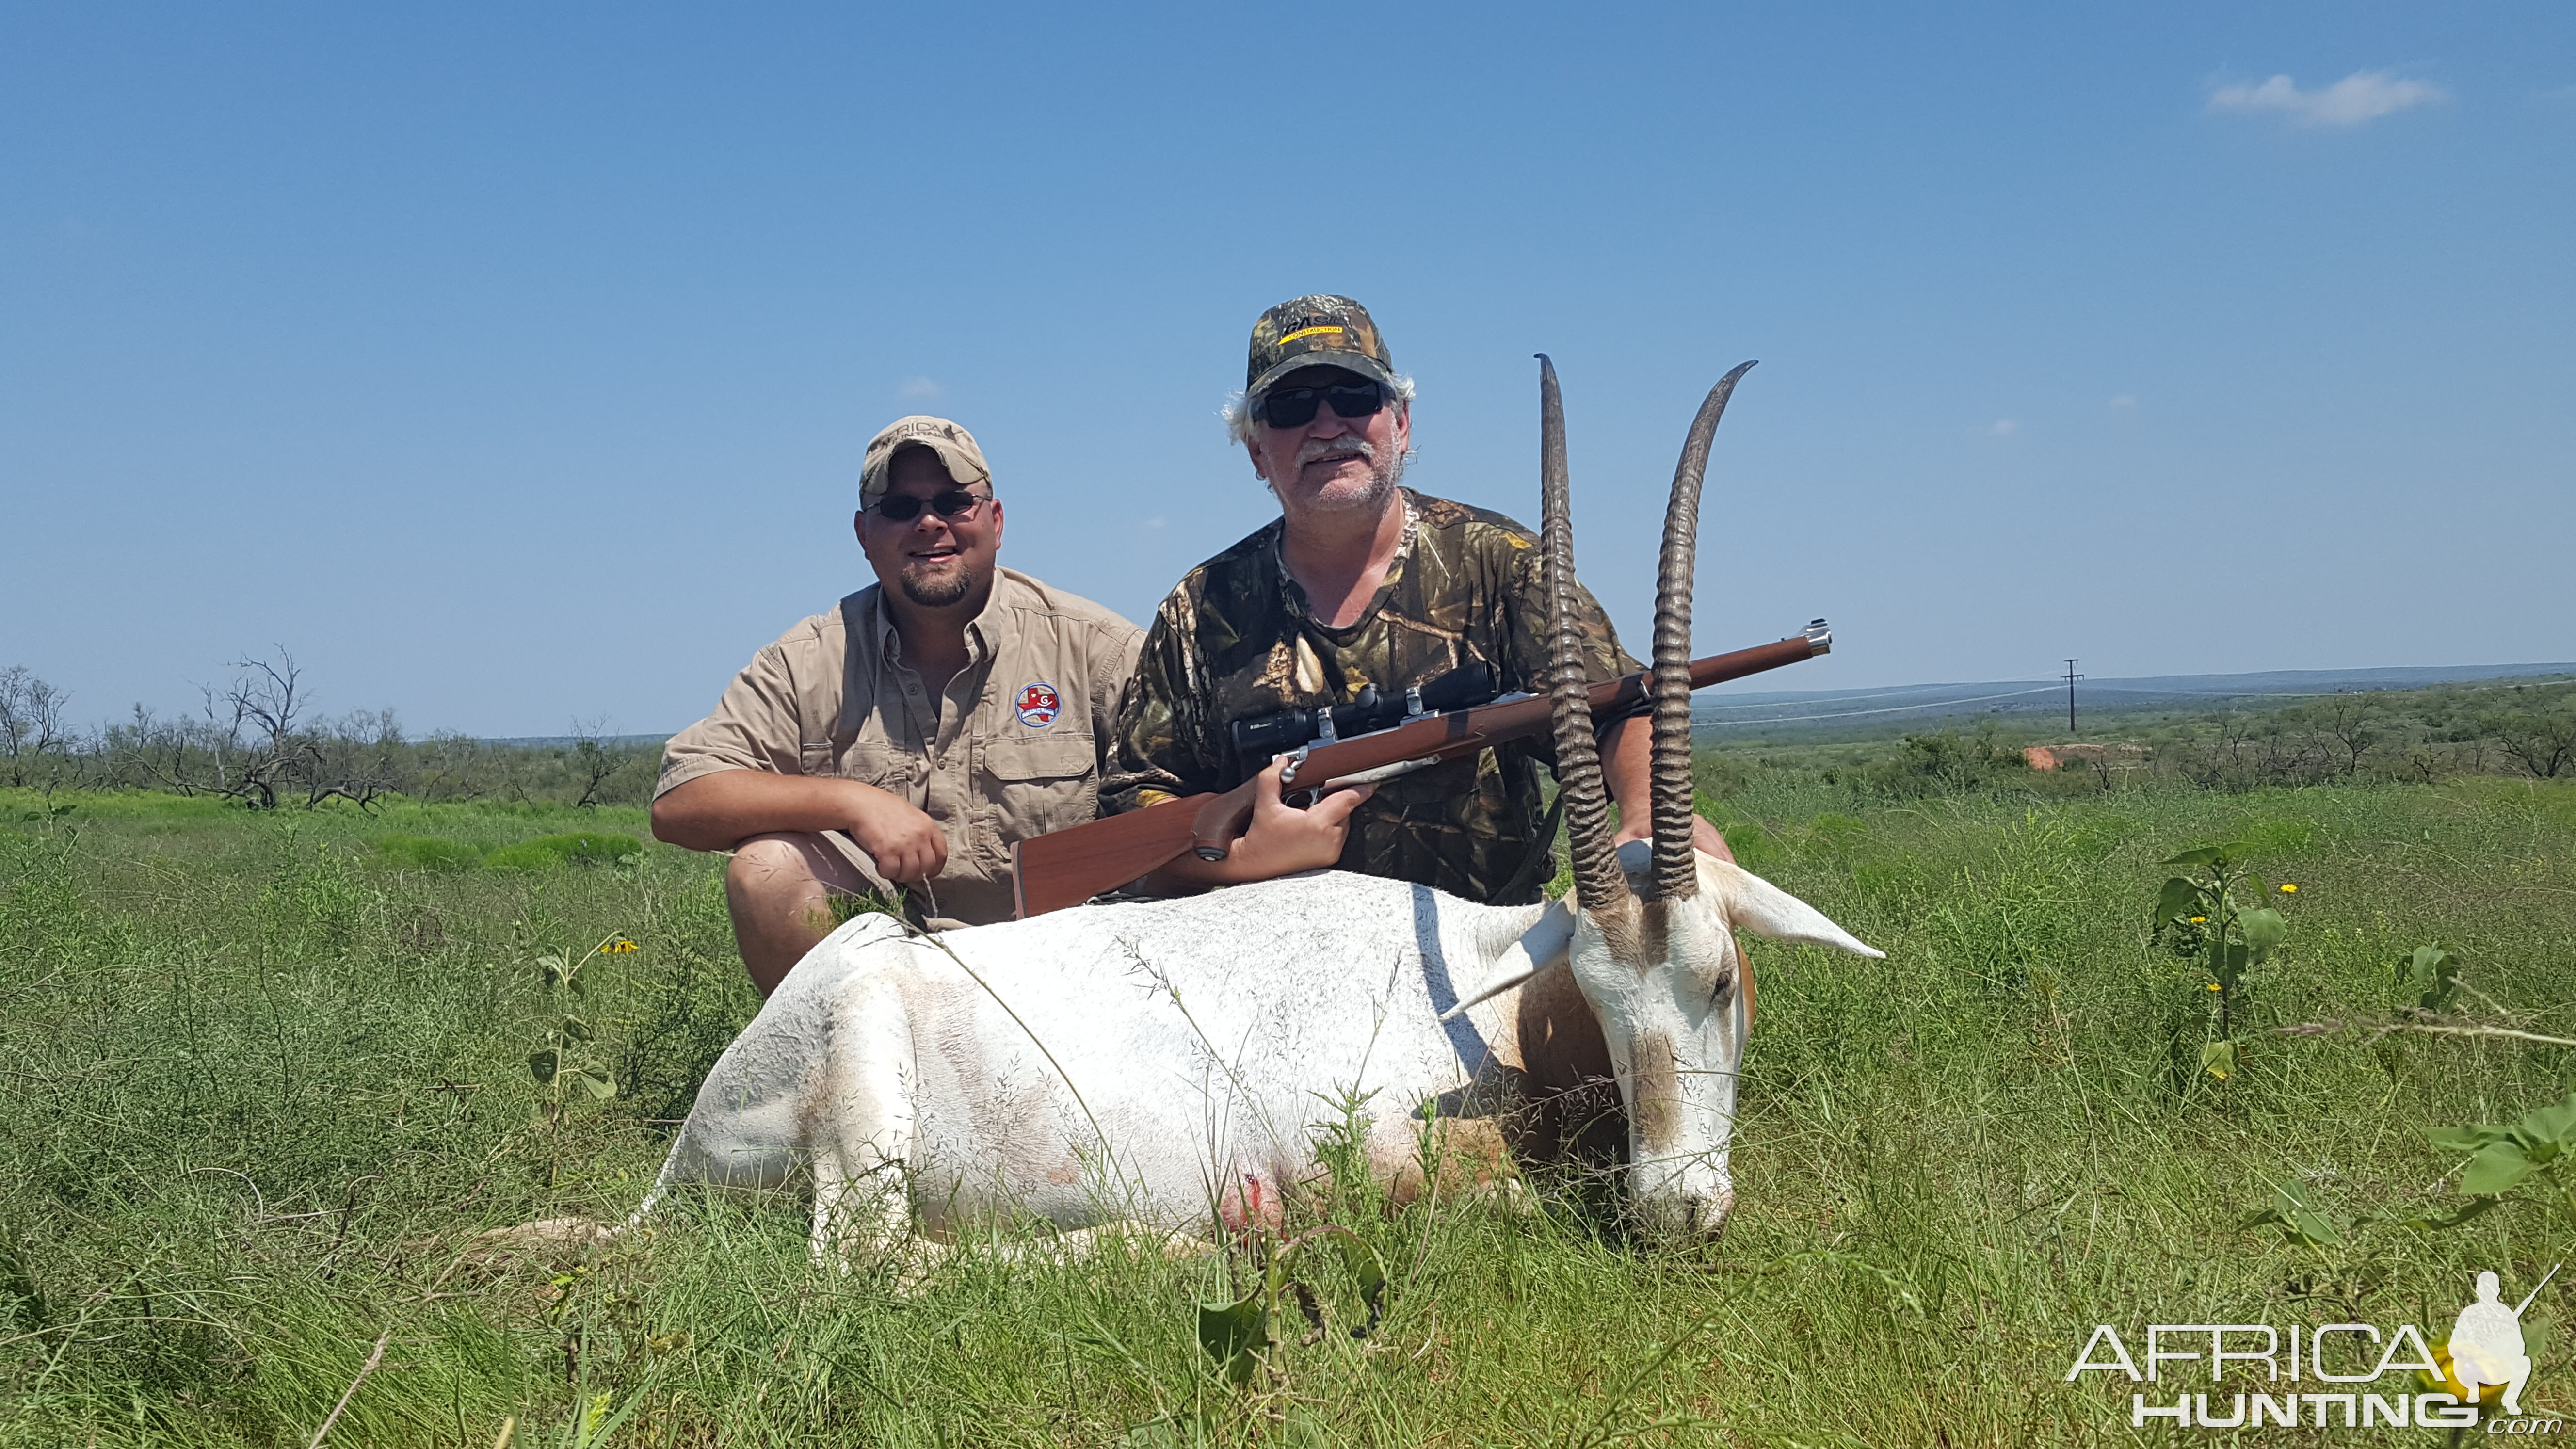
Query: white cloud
(2364, 95)
(2124, 400)
(918, 389)
(2003, 428)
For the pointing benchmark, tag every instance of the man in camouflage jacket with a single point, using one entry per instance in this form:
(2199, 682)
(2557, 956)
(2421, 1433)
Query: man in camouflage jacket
(1359, 582)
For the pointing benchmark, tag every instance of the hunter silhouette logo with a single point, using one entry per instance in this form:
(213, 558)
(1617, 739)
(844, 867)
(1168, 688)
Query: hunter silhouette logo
(2486, 1347)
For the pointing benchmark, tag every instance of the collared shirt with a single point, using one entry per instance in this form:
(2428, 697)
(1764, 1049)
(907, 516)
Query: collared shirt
(1010, 750)
(1236, 639)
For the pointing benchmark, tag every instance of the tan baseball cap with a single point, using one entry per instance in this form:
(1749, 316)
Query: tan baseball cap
(955, 446)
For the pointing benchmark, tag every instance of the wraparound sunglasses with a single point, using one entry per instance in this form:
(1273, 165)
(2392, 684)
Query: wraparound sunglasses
(949, 503)
(1294, 407)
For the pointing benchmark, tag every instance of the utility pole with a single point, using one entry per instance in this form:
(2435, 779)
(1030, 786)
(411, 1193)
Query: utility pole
(2071, 677)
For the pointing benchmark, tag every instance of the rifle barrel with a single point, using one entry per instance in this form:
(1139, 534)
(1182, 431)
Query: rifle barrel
(2536, 1287)
(1067, 867)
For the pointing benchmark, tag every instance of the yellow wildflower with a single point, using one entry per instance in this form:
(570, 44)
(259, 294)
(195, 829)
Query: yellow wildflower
(2200, 920)
(2288, 889)
(2214, 986)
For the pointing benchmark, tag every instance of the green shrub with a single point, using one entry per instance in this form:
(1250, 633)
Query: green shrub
(547, 852)
(423, 852)
(1942, 763)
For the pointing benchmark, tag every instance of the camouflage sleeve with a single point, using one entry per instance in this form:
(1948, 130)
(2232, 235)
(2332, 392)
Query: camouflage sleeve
(1525, 626)
(1160, 750)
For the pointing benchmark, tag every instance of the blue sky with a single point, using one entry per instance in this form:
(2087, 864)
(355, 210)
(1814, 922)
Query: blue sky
(512, 363)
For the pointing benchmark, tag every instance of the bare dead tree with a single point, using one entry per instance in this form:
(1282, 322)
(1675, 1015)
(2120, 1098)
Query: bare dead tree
(265, 701)
(2351, 722)
(270, 695)
(158, 752)
(31, 722)
(353, 758)
(2238, 736)
(449, 767)
(595, 761)
(2542, 741)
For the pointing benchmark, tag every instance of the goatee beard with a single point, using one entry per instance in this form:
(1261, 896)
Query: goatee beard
(937, 590)
(1385, 473)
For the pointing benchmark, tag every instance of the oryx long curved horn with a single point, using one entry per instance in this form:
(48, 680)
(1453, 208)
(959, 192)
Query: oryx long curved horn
(1676, 870)
(1598, 881)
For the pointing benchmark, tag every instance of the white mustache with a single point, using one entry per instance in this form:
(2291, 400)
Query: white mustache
(1314, 448)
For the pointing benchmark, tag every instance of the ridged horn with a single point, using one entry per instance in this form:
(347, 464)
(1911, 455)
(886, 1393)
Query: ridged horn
(1598, 882)
(1676, 870)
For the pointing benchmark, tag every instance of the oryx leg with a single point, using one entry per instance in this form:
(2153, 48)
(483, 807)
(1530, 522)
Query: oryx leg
(864, 1124)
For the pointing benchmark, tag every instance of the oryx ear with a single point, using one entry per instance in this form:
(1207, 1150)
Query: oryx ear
(1766, 910)
(1540, 948)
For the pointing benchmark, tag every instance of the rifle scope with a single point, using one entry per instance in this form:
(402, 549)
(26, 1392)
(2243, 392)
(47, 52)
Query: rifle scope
(1258, 738)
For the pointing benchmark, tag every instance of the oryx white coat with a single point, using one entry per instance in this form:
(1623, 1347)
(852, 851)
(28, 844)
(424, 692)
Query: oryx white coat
(1169, 1062)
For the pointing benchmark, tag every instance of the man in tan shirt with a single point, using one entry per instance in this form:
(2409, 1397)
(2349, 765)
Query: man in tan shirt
(901, 742)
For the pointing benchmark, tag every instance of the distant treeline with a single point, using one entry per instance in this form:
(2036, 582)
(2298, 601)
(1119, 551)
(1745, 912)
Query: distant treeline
(2522, 728)
(258, 740)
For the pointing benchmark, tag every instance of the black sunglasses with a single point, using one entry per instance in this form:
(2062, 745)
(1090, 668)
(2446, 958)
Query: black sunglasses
(1294, 407)
(948, 503)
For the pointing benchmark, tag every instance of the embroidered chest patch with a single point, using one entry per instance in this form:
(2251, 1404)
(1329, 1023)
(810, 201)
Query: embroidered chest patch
(1038, 705)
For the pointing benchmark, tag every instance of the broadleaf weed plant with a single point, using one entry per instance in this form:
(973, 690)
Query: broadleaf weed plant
(2199, 915)
(2532, 1156)
(1239, 1335)
(566, 1058)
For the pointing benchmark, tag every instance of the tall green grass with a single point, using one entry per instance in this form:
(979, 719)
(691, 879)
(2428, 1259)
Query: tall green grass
(263, 1078)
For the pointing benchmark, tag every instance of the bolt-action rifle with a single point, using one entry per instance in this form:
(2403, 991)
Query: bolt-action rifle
(1068, 867)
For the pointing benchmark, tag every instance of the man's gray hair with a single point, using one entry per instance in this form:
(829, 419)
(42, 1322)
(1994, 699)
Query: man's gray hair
(1239, 421)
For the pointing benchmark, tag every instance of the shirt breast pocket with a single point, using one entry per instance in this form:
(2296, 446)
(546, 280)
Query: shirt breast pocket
(875, 762)
(1039, 786)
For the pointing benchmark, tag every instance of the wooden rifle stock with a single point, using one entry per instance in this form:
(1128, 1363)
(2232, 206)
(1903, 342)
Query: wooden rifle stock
(1067, 867)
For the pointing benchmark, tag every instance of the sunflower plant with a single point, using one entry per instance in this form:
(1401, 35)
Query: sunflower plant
(2209, 915)
(561, 1062)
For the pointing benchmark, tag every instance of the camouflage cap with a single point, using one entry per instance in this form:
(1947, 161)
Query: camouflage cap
(1315, 332)
(955, 446)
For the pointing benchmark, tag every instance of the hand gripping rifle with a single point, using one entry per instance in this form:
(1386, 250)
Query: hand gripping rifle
(1068, 867)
